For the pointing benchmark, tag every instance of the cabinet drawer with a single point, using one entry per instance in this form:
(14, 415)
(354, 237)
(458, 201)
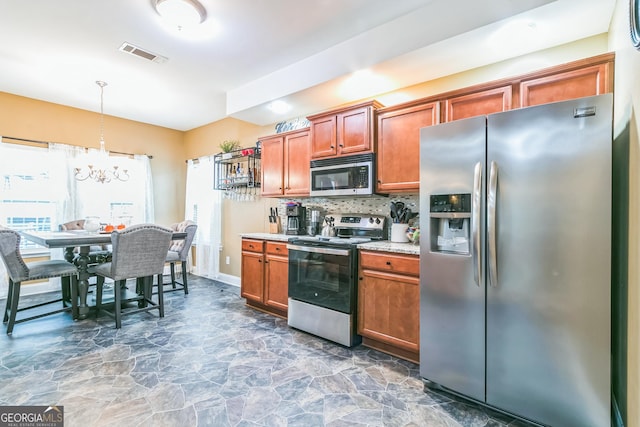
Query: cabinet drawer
(385, 261)
(252, 245)
(277, 248)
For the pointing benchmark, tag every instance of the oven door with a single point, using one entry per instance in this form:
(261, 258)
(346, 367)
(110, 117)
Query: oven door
(322, 276)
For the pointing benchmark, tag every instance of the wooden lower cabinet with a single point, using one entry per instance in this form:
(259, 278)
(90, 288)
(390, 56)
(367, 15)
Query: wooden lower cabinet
(264, 276)
(389, 303)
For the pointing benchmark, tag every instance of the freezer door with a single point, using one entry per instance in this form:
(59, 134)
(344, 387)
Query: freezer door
(548, 253)
(452, 293)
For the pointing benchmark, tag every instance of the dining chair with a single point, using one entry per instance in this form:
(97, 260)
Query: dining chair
(19, 271)
(179, 252)
(138, 252)
(97, 253)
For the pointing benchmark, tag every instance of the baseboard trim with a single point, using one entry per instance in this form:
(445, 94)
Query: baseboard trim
(229, 279)
(224, 278)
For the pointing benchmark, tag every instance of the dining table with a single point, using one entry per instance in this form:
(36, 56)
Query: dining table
(82, 239)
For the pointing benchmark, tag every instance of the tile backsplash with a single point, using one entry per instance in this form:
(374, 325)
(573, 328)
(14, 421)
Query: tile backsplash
(377, 205)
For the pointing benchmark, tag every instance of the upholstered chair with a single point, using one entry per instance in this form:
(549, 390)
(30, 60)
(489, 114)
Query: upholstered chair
(78, 224)
(179, 252)
(97, 253)
(19, 271)
(138, 252)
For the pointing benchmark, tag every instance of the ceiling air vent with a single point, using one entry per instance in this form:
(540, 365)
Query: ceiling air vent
(141, 53)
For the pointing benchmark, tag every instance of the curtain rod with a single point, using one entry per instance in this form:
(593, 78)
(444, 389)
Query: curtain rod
(49, 142)
(197, 159)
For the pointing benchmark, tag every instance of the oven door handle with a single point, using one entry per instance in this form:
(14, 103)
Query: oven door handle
(319, 250)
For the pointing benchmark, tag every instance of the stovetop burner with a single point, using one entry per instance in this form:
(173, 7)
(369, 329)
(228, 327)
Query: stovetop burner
(349, 229)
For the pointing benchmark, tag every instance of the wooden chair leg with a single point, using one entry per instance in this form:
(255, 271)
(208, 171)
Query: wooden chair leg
(172, 268)
(160, 295)
(15, 296)
(8, 305)
(66, 289)
(74, 297)
(99, 286)
(184, 277)
(117, 295)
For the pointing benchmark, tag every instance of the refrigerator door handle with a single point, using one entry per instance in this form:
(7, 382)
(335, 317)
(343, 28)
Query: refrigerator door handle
(475, 224)
(491, 225)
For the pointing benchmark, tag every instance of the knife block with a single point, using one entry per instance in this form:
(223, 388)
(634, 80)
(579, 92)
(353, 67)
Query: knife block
(274, 227)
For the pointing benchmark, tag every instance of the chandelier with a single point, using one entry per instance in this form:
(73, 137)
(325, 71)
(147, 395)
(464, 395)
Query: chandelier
(100, 168)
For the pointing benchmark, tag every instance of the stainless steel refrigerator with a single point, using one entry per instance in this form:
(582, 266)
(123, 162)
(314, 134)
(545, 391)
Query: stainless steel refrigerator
(515, 265)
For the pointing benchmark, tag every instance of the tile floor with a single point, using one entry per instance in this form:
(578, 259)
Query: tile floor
(214, 362)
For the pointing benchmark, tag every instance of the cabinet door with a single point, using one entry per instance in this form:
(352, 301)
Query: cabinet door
(297, 152)
(573, 84)
(389, 308)
(478, 103)
(277, 282)
(354, 131)
(398, 166)
(323, 137)
(252, 276)
(272, 166)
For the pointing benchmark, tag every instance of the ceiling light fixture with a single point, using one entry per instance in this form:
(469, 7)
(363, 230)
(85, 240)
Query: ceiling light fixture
(99, 167)
(182, 13)
(279, 107)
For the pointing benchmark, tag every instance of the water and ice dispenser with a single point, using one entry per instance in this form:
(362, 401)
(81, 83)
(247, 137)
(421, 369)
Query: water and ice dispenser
(449, 223)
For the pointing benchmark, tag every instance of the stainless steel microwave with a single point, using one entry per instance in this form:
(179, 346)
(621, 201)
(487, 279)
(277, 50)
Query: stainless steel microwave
(342, 176)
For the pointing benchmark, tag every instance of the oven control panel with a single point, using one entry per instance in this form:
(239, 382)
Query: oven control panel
(364, 221)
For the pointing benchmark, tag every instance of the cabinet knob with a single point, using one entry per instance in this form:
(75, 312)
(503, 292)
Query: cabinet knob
(251, 246)
(277, 249)
(388, 262)
(360, 278)
(332, 147)
(266, 262)
(340, 145)
(379, 181)
(259, 260)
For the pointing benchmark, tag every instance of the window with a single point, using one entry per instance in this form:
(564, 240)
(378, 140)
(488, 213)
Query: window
(32, 190)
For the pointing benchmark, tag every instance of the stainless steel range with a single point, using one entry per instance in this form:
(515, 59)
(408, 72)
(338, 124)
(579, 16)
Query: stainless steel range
(322, 277)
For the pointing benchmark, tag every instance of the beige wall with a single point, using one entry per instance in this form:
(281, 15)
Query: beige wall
(237, 217)
(32, 119)
(243, 217)
(43, 121)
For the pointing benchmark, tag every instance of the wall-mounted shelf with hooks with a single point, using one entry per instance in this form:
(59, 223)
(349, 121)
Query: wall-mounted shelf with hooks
(237, 169)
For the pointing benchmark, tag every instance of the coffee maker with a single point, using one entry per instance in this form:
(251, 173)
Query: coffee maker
(296, 219)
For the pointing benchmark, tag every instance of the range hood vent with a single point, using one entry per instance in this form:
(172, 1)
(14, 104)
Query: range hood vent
(142, 53)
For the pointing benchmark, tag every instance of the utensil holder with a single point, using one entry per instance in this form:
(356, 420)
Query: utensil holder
(399, 233)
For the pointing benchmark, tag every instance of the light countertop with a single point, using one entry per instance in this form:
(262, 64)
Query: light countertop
(280, 237)
(382, 246)
(387, 246)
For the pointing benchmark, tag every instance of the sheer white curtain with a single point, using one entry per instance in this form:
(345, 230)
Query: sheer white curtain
(204, 206)
(33, 194)
(39, 191)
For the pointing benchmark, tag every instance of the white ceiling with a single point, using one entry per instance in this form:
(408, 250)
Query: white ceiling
(248, 53)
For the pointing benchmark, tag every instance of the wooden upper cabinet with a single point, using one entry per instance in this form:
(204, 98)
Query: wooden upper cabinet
(285, 164)
(272, 163)
(587, 81)
(297, 155)
(344, 131)
(398, 158)
(479, 103)
(323, 140)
